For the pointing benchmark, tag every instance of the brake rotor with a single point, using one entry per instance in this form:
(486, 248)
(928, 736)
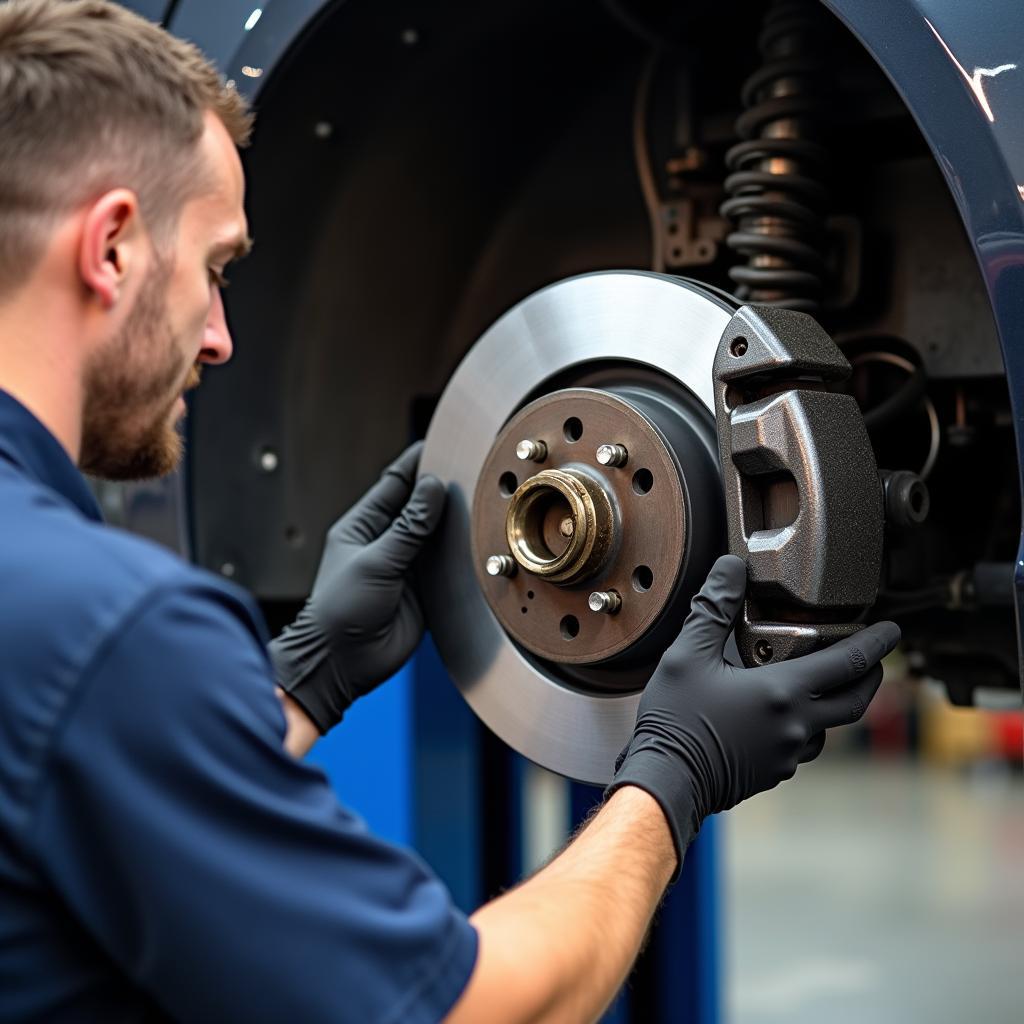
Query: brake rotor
(578, 443)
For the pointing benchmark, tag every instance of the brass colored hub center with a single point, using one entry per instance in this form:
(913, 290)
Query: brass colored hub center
(560, 525)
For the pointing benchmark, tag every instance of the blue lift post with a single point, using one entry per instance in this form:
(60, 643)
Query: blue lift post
(408, 759)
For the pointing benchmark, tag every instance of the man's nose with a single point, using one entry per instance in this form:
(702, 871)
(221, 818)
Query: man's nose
(217, 345)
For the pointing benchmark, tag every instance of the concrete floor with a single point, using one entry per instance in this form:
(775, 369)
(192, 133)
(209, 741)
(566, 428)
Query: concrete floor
(877, 893)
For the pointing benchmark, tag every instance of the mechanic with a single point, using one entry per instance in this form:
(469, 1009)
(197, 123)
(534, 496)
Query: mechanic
(164, 852)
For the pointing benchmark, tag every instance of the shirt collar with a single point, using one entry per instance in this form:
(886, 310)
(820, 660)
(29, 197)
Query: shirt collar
(26, 443)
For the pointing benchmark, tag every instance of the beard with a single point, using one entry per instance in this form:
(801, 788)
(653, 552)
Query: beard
(131, 389)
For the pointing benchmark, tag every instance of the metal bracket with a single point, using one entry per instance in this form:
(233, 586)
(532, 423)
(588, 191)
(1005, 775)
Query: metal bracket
(802, 490)
(689, 235)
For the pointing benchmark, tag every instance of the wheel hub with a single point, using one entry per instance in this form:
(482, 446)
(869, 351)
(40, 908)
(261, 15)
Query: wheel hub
(576, 528)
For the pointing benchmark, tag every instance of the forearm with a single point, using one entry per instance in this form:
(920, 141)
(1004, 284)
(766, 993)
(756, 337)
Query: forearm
(558, 947)
(301, 733)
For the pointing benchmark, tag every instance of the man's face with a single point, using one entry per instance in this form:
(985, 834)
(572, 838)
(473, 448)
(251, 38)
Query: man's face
(134, 385)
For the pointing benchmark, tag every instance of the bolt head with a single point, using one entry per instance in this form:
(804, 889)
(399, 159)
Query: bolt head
(531, 451)
(612, 455)
(500, 565)
(606, 601)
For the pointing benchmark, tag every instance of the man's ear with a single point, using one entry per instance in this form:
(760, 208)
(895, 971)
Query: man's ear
(113, 243)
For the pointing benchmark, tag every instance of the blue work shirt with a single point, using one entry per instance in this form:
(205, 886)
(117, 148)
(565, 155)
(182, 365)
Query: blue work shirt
(161, 855)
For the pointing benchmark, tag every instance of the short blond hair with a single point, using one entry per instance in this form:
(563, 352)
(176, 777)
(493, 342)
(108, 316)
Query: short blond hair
(94, 97)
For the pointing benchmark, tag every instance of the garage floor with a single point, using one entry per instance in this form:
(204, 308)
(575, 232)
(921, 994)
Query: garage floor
(877, 892)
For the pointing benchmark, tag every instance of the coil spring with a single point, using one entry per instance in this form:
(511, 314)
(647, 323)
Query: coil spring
(777, 201)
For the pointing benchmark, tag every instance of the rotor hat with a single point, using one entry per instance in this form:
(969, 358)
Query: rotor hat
(578, 525)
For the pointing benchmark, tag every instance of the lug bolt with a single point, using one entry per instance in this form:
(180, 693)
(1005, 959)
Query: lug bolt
(531, 451)
(501, 565)
(606, 601)
(763, 651)
(567, 527)
(612, 455)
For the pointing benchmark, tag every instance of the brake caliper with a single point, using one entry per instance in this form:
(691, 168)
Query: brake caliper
(803, 496)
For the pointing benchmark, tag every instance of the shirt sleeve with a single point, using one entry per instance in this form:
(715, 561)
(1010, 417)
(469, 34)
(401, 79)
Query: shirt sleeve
(219, 873)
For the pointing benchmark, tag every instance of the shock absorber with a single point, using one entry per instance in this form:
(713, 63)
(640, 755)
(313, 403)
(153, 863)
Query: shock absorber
(777, 199)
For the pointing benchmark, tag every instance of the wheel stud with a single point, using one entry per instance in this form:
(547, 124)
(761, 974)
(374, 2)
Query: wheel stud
(501, 565)
(531, 451)
(608, 602)
(612, 455)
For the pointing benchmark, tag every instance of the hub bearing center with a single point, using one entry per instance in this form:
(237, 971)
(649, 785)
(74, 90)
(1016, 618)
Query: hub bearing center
(560, 525)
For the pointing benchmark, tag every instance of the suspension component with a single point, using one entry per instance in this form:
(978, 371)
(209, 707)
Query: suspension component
(777, 200)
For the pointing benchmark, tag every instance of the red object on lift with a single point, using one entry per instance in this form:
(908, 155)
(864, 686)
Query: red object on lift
(1008, 727)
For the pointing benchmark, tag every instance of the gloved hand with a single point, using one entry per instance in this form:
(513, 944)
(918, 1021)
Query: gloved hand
(709, 735)
(363, 620)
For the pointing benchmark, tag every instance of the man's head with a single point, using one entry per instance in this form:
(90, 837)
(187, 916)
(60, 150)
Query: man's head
(121, 199)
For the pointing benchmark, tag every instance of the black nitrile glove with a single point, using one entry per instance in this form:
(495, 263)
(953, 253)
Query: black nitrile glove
(363, 620)
(709, 735)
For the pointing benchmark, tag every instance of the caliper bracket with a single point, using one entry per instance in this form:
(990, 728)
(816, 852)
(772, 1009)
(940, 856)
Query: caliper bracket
(802, 490)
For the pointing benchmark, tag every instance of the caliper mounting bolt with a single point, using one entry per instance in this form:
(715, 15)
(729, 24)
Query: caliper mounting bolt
(906, 498)
(531, 451)
(612, 455)
(607, 602)
(501, 565)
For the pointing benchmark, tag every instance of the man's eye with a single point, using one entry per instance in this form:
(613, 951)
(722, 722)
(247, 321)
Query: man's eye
(217, 277)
